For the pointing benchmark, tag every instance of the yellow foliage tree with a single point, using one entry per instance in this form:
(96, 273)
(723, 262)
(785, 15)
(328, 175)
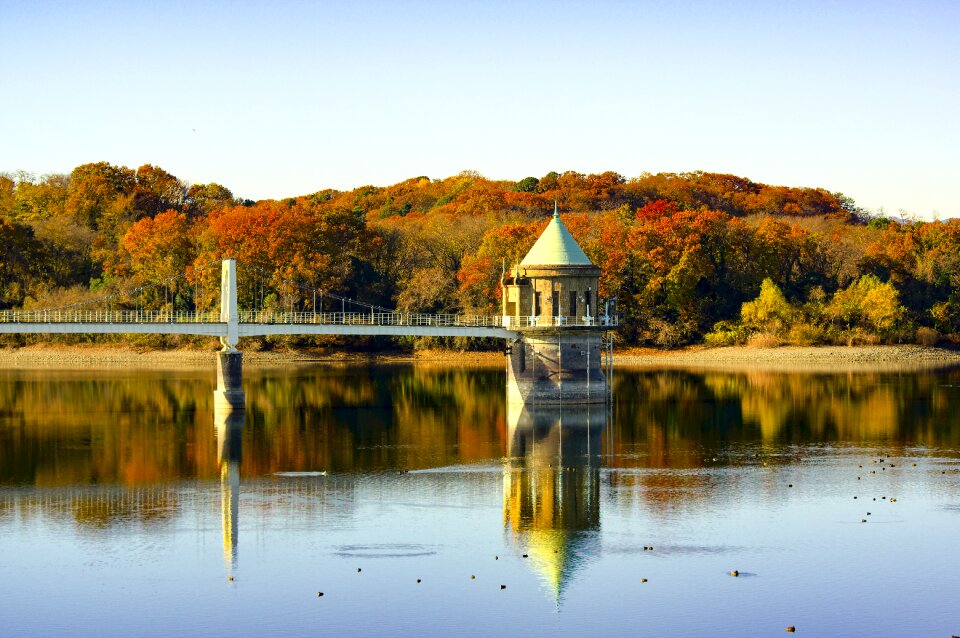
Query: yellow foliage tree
(770, 311)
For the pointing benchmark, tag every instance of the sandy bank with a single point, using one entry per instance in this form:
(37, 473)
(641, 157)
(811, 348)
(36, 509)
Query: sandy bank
(825, 358)
(78, 357)
(821, 358)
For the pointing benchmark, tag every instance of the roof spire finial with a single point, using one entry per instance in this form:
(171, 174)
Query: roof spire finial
(556, 213)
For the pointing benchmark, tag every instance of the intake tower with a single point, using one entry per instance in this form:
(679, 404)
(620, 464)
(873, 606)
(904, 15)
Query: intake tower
(550, 298)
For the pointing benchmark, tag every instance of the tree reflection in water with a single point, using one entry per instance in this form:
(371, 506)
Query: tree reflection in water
(98, 432)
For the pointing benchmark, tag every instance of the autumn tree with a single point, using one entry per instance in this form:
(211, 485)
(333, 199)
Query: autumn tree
(868, 304)
(21, 262)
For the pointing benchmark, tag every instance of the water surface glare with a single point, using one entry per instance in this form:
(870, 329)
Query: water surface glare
(418, 503)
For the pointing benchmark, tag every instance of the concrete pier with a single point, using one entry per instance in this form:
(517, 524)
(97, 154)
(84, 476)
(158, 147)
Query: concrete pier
(229, 393)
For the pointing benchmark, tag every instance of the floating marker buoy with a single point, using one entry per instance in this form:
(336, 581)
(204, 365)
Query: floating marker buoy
(643, 580)
(735, 573)
(319, 594)
(503, 586)
(791, 629)
(418, 581)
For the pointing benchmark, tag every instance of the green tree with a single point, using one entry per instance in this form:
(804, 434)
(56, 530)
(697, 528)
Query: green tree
(527, 185)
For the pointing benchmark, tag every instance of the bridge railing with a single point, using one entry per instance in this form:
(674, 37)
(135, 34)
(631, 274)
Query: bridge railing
(322, 318)
(108, 316)
(370, 318)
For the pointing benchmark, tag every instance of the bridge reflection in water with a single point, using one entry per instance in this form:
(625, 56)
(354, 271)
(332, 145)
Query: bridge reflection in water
(229, 427)
(551, 488)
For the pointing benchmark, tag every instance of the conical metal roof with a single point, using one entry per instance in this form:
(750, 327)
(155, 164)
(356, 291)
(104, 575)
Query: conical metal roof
(556, 247)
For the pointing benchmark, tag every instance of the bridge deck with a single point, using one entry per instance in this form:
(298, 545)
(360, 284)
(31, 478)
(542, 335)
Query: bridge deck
(254, 324)
(262, 323)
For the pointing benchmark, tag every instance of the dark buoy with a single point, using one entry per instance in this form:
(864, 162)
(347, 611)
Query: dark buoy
(791, 629)
(526, 556)
(418, 581)
(503, 586)
(319, 594)
(735, 573)
(358, 570)
(643, 580)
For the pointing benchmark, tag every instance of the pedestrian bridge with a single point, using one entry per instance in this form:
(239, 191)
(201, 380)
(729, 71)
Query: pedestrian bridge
(256, 323)
(230, 324)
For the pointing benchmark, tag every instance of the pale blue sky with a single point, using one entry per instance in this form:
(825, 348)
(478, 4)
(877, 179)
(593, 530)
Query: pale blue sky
(285, 98)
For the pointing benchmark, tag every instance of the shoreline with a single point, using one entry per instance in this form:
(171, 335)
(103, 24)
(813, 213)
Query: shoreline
(787, 358)
(794, 358)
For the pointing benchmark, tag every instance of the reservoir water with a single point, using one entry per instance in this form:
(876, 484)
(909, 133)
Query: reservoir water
(702, 503)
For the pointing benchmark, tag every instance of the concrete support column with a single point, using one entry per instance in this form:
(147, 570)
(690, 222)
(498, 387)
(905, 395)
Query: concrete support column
(229, 393)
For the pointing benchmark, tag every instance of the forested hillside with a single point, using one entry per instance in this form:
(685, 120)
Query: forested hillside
(689, 256)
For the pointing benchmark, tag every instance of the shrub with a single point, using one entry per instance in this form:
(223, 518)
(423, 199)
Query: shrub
(665, 334)
(725, 333)
(928, 336)
(763, 340)
(805, 334)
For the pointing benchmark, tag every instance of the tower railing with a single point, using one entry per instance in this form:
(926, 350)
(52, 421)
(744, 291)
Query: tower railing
(604, 321)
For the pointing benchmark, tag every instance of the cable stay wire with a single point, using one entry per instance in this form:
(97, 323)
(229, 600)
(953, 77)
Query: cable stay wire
(167, 283)
(130, 292)
(320, 291)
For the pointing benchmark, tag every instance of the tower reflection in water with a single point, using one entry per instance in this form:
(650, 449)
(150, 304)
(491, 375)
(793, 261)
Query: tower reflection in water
(551, 488)
(229, 426)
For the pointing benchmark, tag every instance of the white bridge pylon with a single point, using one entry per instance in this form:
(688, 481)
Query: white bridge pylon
(230, 324)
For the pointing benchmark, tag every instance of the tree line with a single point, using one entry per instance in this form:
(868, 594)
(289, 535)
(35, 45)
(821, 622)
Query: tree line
(689, 257)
